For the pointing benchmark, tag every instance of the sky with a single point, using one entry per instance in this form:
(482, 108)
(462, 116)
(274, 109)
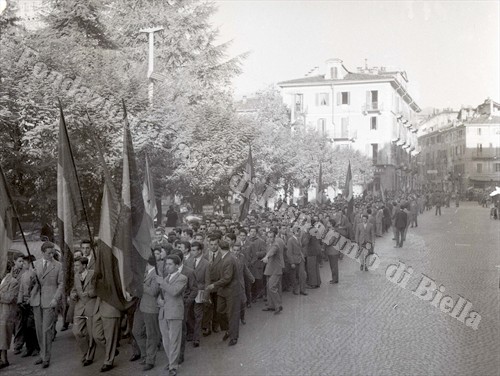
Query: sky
(449, 49)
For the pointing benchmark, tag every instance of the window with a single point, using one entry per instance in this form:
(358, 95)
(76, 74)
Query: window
(497, 167)
(322, 99)
(299, 102)
(479, 149)
(343, 97)
(479, 131)
(479, 167)
(322, 126)
(372, 99)
(374, 153)
(333, 72)
(345, 128)
(373, 123)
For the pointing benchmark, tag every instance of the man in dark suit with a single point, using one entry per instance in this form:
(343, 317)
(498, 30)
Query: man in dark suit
(198, 319)
(275, 263)
(172, 311)
(45, 297)
(400, 223)
(297, 262)
(227, 286)
(365, 233)
(84, 298)
(146, 329)
(212, 275)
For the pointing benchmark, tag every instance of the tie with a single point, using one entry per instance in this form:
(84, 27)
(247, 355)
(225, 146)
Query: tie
(44, 267)
(213, 257)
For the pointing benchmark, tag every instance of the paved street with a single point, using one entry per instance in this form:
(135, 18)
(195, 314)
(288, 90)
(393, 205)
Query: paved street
(365, 325)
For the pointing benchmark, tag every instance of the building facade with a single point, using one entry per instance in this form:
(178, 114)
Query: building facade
(464, 154)
(370, 111)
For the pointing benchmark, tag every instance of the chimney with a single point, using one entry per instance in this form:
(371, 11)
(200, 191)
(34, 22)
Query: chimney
(334, 70)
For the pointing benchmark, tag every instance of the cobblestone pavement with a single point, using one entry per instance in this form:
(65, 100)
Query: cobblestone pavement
(365, 325)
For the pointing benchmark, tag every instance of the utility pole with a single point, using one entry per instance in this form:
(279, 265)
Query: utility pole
(151, 34)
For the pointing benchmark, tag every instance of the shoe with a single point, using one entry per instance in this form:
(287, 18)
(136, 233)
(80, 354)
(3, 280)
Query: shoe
(45, 364)
(4, 364)
(36, 353)
(172, 372)
(226, 336)
(232, 342)
(181, 359)
(243, 322)
(249, 305)
(332, 282)
(196, 343)
(215, 330)
(268, 309)
(366, 269)
(142, 361)
(278, 311)
(134, 357)
(117, 352)
(206, 333)
(148, 367)
(304, 293)
(26, 354)
(39, 361)
(361, 268)
(17, 351)
(106, 367)
(167, 368)
(295, 293)
(87, 362)
(64, 328)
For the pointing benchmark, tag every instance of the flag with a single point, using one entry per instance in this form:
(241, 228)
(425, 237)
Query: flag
(348, 192)
(319, 195)
(148, 195)
(69, 201)
(249, 175)
(382, 193)
(131, 245)
(6, 223)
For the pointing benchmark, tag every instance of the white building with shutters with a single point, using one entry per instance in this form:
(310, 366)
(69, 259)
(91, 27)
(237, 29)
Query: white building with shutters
(370, 110)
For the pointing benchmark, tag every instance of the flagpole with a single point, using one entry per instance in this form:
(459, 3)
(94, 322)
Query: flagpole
(77, 180)
(19, 224)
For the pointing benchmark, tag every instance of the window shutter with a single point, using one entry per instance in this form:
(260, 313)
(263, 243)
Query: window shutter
(368, 97)
(349, 97)
(339, 99)
(327, 99)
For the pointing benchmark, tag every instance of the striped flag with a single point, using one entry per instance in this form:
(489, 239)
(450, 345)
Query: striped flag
(131, 245)
(69, 201)
(148, 195)
(6, 223)
(348, 192)
(249, 175)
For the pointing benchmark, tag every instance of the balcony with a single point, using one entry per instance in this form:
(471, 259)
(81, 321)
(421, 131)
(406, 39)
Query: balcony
(373, 107)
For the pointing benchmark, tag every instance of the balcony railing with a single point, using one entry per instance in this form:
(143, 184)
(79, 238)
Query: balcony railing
(372, 107)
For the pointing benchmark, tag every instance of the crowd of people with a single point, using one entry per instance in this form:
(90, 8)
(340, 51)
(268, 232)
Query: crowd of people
(200, 280)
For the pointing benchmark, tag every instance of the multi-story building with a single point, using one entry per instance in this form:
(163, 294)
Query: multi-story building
(369, 110)
(465, 153)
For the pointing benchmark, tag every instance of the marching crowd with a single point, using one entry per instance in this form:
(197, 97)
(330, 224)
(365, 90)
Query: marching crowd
(200, 280)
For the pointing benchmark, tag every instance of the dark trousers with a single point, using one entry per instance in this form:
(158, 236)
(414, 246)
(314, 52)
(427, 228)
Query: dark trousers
(28, 328)
(228, 309)
(299, 277)
(438, 209)
(258, 289)
(334, 267)
(399, 236)
(212, 311)
(146, 332)
(199, 313)
(18, 330)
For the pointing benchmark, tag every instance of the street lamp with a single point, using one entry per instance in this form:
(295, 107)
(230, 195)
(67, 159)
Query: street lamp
(151, 31)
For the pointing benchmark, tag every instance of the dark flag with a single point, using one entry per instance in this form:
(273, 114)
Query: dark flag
(69, 201)
(6, 223)
(249, 175)
(122, 270)
(319, 195)
(348, 193)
